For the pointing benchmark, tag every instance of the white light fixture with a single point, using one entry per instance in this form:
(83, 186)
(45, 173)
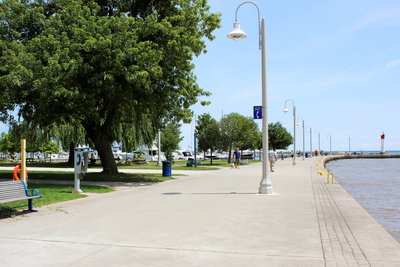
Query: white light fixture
(286, 110)
(236, 33)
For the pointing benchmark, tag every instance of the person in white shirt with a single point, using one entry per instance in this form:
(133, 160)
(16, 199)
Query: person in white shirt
(272, 158)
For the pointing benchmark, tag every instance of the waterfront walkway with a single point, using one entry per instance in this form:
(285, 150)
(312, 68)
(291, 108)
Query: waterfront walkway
(212, 218)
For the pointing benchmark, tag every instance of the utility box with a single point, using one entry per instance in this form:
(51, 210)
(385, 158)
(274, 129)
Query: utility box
(81, 162)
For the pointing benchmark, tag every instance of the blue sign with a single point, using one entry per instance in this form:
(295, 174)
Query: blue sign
(257, 112)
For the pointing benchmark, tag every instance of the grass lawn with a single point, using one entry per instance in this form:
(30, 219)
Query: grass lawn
(92, 176)
(53, 193)
(152, 165)
(177, 165)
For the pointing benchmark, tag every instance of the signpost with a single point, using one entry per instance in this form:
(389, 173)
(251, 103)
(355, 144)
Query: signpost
(257, 112)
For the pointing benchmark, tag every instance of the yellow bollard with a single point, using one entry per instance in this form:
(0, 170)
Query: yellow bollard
(320, 173)
(23, 161)
(327, 176)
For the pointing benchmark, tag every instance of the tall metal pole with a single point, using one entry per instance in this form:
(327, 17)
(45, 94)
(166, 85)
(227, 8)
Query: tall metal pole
(304, 149)
(159, 148)
(349, 146)
(330, 144)
(294, 127)
(319, 143)
(310, 143)
(265, 184)
(195, 149)
(294, 135)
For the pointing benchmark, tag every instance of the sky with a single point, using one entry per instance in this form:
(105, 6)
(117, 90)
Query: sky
(338, 61)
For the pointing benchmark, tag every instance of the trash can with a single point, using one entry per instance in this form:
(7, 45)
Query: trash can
(189, 163)
(166, 168)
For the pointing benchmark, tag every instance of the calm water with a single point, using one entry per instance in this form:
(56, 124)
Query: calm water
(375, 184)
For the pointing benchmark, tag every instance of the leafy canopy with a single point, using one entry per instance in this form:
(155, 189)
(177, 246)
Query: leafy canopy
(120, 69)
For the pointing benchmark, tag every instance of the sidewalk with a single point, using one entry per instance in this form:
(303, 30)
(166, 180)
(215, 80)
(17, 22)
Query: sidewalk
(211, 218)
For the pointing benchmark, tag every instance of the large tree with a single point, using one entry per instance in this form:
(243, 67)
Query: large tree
(209, 134)
(279, 137)
(238, 131)
(121, 69)
(170, 139)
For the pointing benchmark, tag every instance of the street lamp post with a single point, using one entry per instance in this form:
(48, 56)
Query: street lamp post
(294, 127)
(265, 184)
(349, 146)
(159, 148)
(319, 143)
(310, 141)
(298, 124)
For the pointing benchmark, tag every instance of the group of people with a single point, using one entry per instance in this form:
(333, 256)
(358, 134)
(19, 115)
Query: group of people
(272, 157)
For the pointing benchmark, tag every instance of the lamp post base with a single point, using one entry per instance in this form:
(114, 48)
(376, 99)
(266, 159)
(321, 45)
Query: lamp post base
(77, 191)
(266, 190)
(265, 187)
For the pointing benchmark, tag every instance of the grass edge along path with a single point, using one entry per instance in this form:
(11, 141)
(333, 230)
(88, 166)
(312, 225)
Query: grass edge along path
(52, 193)
(90, 176)
(152, 165)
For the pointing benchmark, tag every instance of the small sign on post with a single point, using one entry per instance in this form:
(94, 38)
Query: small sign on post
(257, 112)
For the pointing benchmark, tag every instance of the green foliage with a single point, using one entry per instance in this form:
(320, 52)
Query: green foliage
(209, 133)
(170, 138)
(50, 147)
(279, 137)
(239, 131)
(6, 145)
(120, 69)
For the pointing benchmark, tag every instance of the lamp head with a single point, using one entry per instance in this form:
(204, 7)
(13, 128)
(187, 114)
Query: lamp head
(285, 110)
(298, 123)
(236, 33)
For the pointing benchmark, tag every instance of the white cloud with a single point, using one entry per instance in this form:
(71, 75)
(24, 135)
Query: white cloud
(393, 64)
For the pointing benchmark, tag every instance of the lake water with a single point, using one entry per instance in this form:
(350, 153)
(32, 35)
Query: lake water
(375, 184)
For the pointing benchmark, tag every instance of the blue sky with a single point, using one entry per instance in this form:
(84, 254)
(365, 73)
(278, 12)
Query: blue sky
(339, 61)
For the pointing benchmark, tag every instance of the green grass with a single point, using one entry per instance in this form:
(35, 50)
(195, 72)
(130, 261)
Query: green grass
(177, 165)
(54, 193)
(41, 164)
(92, 176)
(152, 165)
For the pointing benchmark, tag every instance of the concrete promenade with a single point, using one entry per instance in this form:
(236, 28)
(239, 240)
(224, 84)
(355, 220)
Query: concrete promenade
(210, 218)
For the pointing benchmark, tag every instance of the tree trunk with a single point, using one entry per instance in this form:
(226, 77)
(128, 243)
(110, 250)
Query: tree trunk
(100, 139)
(211, 157)
(71, 153)
(230, 154)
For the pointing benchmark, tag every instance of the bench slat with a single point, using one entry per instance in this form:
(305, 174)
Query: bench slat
(17, 199)
(11, 191)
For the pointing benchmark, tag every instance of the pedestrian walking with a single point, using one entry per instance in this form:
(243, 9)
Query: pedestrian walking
(236, 157)
(272, 159)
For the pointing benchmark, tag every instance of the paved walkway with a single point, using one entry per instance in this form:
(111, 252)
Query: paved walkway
(206, 219)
